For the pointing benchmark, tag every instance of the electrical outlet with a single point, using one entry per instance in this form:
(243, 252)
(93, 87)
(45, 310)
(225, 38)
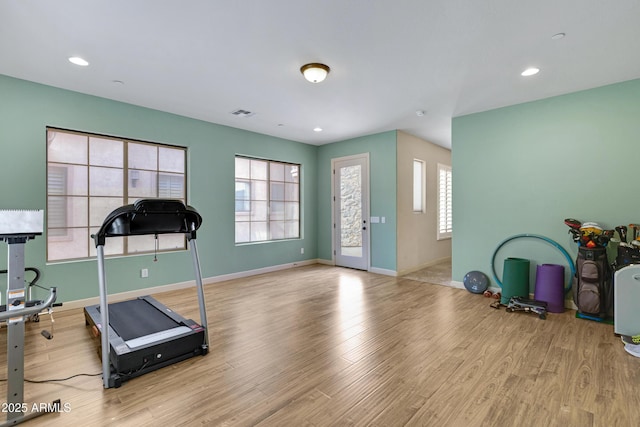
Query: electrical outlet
(302, 250)
(144, 273)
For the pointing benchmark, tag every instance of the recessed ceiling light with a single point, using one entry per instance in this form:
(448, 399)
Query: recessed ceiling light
(78, 61)
(117, 82)
(558, 36)
(420, 113)
(530, 72)
(317, 129)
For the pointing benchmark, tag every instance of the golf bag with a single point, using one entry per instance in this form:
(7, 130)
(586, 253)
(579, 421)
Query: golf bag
(592, 284)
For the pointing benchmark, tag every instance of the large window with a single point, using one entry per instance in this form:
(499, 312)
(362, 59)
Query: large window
(445, 218)
(267, 200)
(88, 176)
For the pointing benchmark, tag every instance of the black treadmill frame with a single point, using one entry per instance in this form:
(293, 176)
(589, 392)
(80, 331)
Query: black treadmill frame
(144, 217)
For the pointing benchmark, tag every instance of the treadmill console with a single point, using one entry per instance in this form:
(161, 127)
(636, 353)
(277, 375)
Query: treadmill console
(150, 216)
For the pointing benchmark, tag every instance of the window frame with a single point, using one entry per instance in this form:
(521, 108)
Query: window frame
(282, 202)
(59, 233)
(444, 231)
(419, 195)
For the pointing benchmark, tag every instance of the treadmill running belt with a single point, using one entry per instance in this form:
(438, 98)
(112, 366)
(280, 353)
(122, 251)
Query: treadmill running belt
(136, 318)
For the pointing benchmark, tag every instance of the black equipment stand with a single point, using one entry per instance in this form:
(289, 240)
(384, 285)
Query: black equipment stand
(144, 335)
(17, 228)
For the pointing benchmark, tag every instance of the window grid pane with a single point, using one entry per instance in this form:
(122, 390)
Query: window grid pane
(89, 176)
(418, 186)
(267, 200)
(445, 217)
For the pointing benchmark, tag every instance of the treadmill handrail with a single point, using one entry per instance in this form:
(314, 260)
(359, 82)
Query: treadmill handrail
(28, 311)
(150, 216)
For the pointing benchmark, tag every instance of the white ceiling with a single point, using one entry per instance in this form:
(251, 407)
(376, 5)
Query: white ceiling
(388, 58)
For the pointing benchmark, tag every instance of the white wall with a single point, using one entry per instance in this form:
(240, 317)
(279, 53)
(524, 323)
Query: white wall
(418, 246)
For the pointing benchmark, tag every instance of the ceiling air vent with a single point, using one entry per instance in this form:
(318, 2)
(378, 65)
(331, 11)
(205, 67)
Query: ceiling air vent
(242, 113)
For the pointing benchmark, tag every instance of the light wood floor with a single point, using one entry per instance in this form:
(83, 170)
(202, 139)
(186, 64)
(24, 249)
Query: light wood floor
(325, 346)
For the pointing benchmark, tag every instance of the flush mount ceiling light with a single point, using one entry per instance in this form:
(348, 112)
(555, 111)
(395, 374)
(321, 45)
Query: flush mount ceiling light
(315, 72)
(317, 129)
(530, 72)
(78, 61)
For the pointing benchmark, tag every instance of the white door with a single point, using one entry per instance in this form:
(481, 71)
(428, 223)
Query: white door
(351, 211)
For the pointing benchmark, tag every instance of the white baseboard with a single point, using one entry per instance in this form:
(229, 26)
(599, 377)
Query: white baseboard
(568, 303)
(383, 271)
(425, 265)
(456, 284)
(122, 296)
(257, 271)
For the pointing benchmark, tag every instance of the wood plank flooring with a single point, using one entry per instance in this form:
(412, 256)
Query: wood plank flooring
(325, 346)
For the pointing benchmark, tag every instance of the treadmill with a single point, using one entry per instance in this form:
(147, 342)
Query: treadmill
(143, 334)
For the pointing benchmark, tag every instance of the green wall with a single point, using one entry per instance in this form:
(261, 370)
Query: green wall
(27, 108)
(382, 176)
(525, 168)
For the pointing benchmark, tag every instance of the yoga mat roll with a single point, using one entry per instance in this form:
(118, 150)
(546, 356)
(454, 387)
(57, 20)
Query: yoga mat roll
(515, 279)
(550, 286)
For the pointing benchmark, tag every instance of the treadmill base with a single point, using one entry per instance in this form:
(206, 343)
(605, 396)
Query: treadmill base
(140, 346)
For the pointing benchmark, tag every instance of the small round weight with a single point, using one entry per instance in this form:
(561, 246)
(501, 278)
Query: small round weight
(476, 282)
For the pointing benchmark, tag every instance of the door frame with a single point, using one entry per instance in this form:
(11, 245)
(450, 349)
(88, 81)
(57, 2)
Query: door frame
(365, 206)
